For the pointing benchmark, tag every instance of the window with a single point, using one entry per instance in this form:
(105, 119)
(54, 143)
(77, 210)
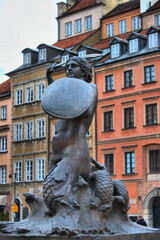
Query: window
(29, 170)
(157, 20)
(151, 114)
(108, 121)
(128, 79)
(122, 26)
(18, 132)
(40, 91)
(78, 25)
(42, 54)
(18, 97)
(27, 58)
(65, 58)
(88, 23)
(109, 163)
(154, 161)
(82, 53)
(40, 169)
(3, 144)
(18, 171)
(115, 50)
(4, 112)
(149, 74)
(68, 28)
(153, 40)
(135, 23)
(109, 83)
(29, 94)
(40, 128)
(129, 162)
(110, 30)
(29, 130)
(129, 117)
(2, 174)
(133, 45)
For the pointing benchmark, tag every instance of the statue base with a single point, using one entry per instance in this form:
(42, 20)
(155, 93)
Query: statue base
(140, 236)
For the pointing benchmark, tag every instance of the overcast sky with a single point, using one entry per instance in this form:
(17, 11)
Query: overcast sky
(24, 24)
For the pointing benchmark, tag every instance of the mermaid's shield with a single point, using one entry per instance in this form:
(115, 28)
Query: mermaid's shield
(67, 98)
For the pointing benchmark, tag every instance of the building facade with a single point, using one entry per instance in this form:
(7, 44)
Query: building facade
(5, 148)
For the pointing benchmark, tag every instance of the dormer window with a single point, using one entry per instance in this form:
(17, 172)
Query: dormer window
(42, 54)
(82, 53)
(153, 40)
(133, 45)
(115, 50)
(27, 58)
(65, 58)
(135, 23)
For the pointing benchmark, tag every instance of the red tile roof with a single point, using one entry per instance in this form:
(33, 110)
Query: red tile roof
(124, 7)
(79, 5)
(5, 87)
(105, 42)
(72, 41)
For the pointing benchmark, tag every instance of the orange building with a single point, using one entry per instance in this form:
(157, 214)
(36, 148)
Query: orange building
(128, 117)
(5, 147)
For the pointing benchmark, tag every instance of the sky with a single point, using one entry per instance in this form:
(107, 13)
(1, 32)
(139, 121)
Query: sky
(24, 24)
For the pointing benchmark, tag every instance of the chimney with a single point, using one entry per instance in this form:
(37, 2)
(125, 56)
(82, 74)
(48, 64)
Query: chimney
(62, 7)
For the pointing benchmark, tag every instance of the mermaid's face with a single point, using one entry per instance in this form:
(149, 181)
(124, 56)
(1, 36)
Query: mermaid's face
(73, 70)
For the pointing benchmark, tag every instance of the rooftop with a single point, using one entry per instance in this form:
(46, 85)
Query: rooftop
(5, 87)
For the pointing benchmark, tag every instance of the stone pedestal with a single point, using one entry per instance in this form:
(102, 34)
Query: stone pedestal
(141, 236)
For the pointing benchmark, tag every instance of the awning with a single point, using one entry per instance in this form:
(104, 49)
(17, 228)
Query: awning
(3, 199)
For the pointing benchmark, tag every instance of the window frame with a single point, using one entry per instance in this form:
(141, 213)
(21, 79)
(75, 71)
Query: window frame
(136, 23)
(42, 54)
(109, 83)
(40, 133)
(4, 112)
(151, 117)
(18, 170)
(40, 170)
(18, 96)
(133, 45)
(128, 80)
(3, 144)
(18, 131)
(29, 94)
(109, 162)
(155, 164)
(82, 53)
(68, 29)
(88, 23)
(153, 40)
(150, 77)
(29, 170)
(157, 20)
(108, 121)
(27, 58)
(115, 50)
(3, 174)
(110, 30)
(78, 25)
(132, 162)
(29, 130)
(122, 26)
(128, 117)
(39, 91)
